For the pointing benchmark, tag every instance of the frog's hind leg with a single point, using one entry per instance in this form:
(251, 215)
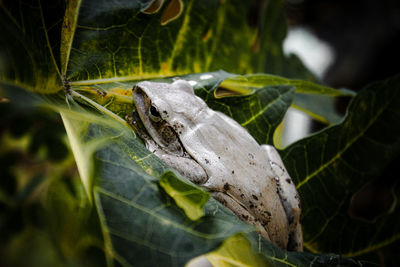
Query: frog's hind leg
(295, 242)
(289, 196)
(240, 211)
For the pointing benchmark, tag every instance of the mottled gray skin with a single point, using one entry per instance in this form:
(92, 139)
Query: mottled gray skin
(213, 150)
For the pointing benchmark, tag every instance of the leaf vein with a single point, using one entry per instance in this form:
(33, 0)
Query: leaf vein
(345, 148)
(261, 111)
(158, 216)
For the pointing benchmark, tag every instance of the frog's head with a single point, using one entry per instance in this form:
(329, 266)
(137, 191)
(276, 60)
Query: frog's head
(163, 108)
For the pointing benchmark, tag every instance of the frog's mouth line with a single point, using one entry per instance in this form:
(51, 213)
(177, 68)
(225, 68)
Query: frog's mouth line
(141, 104)
(137, 125)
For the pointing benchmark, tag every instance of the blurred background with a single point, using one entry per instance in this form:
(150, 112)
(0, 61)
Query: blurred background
(356, 40)
(345, 44)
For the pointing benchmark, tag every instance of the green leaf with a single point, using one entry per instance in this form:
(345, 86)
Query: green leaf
(251, 250)
(330, 167)
(236, 251)
(252, 81)
(28, 44)
(119, 42)
(275, 256)
(46, 45)
(76, 125)
(260, 112)
(314, 99)
(187, 196)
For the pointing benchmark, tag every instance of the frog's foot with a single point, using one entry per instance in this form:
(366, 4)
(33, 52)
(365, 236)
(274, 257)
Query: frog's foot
(185, 166)
(240, 211)
(296, 239)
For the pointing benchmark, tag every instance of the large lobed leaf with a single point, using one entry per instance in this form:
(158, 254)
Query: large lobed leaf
(330, 167)
(120, 40)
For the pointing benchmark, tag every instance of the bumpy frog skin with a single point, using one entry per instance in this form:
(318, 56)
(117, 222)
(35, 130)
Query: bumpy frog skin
(213, 150)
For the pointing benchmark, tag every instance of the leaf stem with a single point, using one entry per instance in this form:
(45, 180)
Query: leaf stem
(100, 107)
(117, 79)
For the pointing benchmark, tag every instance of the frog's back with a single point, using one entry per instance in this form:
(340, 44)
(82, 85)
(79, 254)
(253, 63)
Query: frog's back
(230, 155)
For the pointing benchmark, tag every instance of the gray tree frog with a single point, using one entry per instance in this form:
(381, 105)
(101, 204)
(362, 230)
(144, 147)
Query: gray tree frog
(216, 152)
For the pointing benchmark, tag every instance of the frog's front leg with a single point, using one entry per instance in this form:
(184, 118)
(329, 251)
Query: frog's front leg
(289, 196)
(187, 167)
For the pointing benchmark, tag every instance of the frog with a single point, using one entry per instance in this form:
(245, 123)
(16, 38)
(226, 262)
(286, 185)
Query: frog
(214, 151)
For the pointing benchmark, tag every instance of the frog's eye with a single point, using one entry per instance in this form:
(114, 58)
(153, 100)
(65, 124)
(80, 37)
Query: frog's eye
(154, 114)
